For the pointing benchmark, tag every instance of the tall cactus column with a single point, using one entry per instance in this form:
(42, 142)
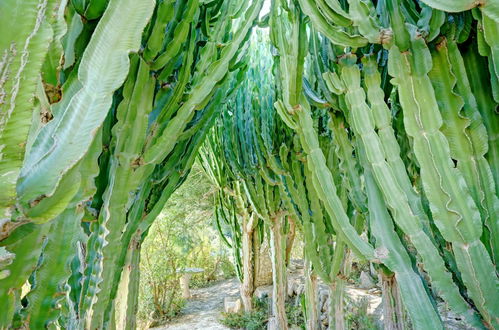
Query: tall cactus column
(454, 211)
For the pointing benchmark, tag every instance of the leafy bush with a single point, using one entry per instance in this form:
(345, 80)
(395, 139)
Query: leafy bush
(254, 320)
(357, 316)
(258, 318)
(294, 312)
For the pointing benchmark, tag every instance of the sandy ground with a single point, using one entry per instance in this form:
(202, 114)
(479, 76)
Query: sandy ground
(203, 310)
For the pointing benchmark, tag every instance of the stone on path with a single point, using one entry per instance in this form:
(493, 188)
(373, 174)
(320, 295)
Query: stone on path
(366, 281)
(232, 305)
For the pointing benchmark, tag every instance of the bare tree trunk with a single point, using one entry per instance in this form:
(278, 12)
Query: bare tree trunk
(393, 308)
(336, 305)
(262, 262)
(311, 305)
(278, 248)
(337, 288)
(126, 304)
(290, 238)
(247, 287)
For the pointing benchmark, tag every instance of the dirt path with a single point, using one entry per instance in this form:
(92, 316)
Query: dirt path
(203, 310)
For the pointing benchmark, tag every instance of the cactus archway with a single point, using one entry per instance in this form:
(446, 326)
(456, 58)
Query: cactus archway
(369, 126)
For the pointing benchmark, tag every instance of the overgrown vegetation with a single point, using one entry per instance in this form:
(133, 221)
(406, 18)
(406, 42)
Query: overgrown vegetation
(257, 319)
(357, 316)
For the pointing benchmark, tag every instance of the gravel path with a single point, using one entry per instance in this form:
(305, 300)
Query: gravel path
(203, 310)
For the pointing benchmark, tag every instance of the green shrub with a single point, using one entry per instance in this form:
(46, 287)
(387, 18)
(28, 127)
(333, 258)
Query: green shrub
(294, 312)
(258, 318)
(357, 316)
(254, 320)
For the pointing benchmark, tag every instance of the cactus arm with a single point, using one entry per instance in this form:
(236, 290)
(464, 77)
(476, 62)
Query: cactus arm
(217, 70)
(334, 33)
(430, 121)
(477, 72)
(323, 183)
(391, 148)
(53, 273)
(127, 300)
(180, 36)
(22, 53)
(90, 9)
(364, 17)
(396, 258)
(58, 252)
(454, 211)
(466, 134)
(117, 33)
(75, 28)
(138, 222)
(315, 235)
(489, 7)
(395, 197)
(26, 257)
(294, 108)
(164, 13)
(348, 165)
(127, 168)
(53, 61)
(332, 11)
(430, 21)
(491, 36)
(454, 6)
(140, 216)
(171, 105)
(397, 23)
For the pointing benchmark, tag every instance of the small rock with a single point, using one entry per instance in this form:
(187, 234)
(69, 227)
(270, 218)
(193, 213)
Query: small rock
(297, 263)
(366, 281)
(374, 291)
(322, 299)
(263, 291)
(291, 288)
(232, 305)
(324, 320)
(272, 324)
(300, 288)
(325, 307)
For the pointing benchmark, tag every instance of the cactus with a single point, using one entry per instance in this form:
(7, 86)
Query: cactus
(344, 86)
(22, 53)
(122, 142)
(375, 118)
(78, 118)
